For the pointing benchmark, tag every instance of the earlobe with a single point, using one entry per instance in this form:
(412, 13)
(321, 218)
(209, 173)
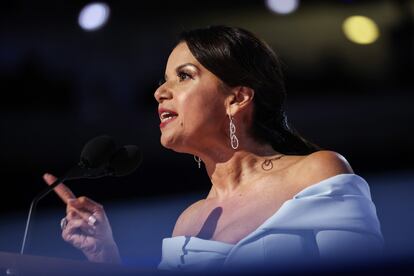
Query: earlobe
(230, 102)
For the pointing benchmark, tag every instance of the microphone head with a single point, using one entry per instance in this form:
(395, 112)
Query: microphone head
(125, 160)
(97, 152)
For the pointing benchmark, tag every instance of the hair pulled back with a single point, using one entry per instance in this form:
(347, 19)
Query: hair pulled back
(239, 58)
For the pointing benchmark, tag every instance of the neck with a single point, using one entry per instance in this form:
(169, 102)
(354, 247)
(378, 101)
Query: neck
(229, 169)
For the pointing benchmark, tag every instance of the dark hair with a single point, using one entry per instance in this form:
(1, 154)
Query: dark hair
(239, 58)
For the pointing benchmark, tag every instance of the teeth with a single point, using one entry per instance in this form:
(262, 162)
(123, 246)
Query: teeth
(167, 119)
(165, 116)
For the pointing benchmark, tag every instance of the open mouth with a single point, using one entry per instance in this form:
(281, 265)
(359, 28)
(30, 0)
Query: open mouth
(166, 116)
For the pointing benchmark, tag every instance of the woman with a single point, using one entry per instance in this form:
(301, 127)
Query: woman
(274, 198)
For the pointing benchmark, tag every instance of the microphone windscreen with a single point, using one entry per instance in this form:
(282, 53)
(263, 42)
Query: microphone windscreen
(125, 160)
(97, 152)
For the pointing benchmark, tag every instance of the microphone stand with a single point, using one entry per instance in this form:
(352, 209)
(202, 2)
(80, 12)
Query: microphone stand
(33, 207)
(77, 172)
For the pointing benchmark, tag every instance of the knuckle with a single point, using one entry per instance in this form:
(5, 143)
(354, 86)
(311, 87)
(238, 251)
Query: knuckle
(71, 214)
(71, 211)
(82, 199)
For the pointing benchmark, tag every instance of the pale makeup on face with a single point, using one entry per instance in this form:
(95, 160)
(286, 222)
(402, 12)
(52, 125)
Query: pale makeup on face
(191, 104)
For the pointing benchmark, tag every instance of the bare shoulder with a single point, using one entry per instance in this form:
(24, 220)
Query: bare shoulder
(321, 165)
(186, 217)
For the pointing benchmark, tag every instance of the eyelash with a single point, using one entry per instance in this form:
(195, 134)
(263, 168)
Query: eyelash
(183, 76)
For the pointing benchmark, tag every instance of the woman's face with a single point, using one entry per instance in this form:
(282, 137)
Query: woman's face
(191, 106)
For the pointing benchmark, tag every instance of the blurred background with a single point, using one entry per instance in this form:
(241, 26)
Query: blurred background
(73, 70)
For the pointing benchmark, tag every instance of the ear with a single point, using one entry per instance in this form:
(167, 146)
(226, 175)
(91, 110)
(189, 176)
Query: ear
(240, 98)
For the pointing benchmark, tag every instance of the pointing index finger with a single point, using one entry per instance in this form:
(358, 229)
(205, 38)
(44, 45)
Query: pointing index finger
(61, 190)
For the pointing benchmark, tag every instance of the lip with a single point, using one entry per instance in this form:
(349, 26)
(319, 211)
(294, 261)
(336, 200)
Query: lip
(160, 111)
(163, 124)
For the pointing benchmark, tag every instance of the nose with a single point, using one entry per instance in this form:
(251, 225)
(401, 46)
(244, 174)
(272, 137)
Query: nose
(162, 93)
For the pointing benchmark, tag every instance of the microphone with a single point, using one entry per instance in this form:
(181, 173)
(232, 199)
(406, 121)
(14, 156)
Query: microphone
(99, 158)
(95, 154)
(124, 161)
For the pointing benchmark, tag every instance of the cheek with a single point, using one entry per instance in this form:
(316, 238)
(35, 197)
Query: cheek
(202, 110)
(205, 118)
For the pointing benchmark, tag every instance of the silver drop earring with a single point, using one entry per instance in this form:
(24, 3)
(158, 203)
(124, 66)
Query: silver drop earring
(198, 160)
(234, 142)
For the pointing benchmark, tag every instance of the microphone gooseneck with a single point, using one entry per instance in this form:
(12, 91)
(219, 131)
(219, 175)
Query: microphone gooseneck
(95, 155)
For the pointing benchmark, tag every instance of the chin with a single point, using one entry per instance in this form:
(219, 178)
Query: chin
(168, 142)
(174, 144)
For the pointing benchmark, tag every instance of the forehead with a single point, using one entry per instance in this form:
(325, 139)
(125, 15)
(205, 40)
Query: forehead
(181, 55)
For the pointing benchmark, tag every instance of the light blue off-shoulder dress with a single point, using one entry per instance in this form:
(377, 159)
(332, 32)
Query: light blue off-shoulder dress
(333, 219)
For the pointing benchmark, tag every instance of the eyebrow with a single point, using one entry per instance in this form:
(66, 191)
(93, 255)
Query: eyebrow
(182, 66)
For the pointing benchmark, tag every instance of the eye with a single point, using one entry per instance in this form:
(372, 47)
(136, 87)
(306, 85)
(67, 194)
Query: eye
(182, 76)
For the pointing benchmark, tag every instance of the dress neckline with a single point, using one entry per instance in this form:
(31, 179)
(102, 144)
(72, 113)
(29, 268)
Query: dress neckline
(261, 226)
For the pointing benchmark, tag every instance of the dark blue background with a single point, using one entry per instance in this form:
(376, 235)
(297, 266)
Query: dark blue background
(61, 86)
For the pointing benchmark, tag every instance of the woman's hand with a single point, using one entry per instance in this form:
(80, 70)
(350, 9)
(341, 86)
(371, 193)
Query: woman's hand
(86, 226)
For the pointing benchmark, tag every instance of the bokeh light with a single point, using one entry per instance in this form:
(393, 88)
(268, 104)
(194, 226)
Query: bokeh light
(282, 6)
(93, 16)
(360, 29)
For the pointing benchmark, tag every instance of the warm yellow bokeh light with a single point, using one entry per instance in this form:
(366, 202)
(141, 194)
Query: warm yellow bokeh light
(360, 29)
